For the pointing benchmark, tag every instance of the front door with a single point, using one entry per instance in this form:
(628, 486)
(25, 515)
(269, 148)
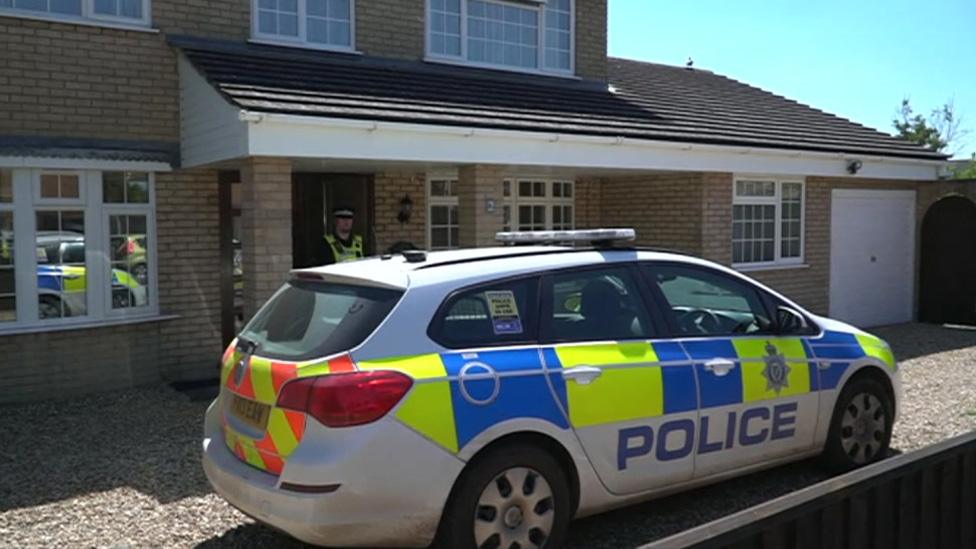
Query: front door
(630, 401)
(314, 197)
(757, 390)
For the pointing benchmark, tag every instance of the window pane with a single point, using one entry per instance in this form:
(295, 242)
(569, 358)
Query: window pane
(440, 238)
(512, 34)
(702, 302)
(62, 279)
(6, 186)
(8, 312)
(49, 186)
(438, 188)
(106, 7)
(66, 7)
(597, 305)
(558, 34)
(131, 8)
(438, 215)
(753, 233)
(755, 188)
(445, 27)
(490, 315)
(113, 187)
(129, 277)
(791, 214)
(69, 186)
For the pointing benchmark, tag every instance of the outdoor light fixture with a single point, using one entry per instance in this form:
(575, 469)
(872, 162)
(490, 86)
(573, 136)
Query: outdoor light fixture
(406, 209)
(854, 166)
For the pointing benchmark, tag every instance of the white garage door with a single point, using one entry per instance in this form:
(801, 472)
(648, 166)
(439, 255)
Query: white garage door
(872, 256)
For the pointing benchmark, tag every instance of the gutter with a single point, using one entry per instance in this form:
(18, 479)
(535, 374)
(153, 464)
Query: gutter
(616, 141)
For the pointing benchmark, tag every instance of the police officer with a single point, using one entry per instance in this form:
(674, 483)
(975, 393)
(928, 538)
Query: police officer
(341, 245)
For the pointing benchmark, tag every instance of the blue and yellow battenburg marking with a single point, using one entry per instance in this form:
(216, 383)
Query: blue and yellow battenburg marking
(452, 413)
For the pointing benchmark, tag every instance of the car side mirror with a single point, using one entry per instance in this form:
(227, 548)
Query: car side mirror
(790, 321)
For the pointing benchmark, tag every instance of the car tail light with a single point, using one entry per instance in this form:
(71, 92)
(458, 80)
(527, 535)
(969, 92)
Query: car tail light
(347, 399)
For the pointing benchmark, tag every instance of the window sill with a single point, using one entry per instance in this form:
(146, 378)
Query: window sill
(69, 20)
(501, 68)
(751, 268)
(85, 325)
(303, 46)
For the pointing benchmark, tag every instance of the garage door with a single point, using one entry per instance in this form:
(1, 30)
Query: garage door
(872, 256)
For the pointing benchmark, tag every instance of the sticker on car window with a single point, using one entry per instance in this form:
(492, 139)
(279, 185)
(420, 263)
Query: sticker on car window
(504, 312)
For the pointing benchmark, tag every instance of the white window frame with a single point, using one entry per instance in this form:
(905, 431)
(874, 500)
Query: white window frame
(301, 41)
(27, 203)
(777, 201)
(448, 201)
(88, 15)
(514, 200)
(462, 59)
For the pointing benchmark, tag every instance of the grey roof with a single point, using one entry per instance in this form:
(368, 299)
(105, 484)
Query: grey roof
(89, 149)
(644, 100)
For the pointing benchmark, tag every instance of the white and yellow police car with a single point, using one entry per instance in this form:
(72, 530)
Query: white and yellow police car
(485, 397)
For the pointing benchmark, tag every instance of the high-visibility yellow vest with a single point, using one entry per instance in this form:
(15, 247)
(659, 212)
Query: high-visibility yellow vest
(341, 252)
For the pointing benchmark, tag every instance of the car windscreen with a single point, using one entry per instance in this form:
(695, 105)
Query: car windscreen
(306, 320)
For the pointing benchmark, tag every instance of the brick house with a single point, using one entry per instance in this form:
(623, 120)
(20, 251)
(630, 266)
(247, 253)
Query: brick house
(140, 139)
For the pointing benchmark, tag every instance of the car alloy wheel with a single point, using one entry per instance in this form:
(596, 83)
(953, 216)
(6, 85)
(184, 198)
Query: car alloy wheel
(516, 509)
(863, 428)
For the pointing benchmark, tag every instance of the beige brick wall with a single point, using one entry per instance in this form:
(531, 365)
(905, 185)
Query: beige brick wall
(77, 81)
(266, 237)
(475, 185)
(58, 365)
(665, 210)
(229, 19)
(588, 204)
(389, 189)
(591, 39)
(391, 28)
(187, 224)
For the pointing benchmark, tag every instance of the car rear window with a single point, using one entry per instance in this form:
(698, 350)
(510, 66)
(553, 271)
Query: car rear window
(307, 320)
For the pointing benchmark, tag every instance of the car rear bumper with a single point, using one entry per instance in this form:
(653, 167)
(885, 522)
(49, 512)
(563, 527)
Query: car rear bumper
(393, 485)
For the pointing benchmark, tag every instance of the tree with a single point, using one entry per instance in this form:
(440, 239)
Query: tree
(966, 172)
(941, 131)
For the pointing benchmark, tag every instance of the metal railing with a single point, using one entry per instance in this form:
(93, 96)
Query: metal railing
(924, 499)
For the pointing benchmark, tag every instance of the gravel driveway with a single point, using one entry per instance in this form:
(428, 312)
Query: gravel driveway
(123, 470)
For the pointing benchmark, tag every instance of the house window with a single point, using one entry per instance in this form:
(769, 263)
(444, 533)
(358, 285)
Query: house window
(539, 205)
(8, 295)
(767, 222)
(317, 23)
(119, 11)
(528, 36)
(443, 227)
(83, 250)
(535, 205)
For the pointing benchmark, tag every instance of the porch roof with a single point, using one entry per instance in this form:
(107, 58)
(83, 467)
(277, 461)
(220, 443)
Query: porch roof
(644, 100)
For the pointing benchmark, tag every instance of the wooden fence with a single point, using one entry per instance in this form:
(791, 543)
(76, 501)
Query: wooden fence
(923, 499)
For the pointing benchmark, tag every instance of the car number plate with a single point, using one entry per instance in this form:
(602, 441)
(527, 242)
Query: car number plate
(250, 412)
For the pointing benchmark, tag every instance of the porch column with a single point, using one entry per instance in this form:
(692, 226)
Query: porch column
(266, 215)
(477, 184)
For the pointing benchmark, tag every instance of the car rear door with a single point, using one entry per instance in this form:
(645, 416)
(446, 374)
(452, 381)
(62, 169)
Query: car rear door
(757, 389)
(630, 399)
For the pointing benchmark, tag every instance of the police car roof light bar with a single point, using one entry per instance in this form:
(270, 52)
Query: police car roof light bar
(597, 237)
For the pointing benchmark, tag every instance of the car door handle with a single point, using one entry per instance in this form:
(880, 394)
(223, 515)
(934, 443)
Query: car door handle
(582, 375)
(720, 366)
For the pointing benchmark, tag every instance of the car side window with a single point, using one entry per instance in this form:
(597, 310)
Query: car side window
(707, 303)
(595, 305)
(492, 314)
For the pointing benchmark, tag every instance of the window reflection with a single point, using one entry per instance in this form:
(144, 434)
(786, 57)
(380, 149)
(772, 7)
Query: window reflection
(130, 253)
(62, 281)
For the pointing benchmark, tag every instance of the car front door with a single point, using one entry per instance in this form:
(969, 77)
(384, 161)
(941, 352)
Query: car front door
(757, 388)
(630, 399)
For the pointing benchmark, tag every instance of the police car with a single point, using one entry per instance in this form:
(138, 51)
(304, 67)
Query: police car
(485, 397)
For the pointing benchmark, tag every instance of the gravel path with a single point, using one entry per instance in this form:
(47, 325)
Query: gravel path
(123, 470)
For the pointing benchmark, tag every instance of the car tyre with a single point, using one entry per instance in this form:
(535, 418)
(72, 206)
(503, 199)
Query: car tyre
(515, 494)
(49, 306)
(861, 425)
